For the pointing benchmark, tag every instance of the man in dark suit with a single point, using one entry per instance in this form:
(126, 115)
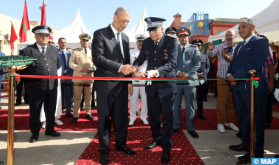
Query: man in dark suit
(66, 84)
(251, 54)
(42, 90)
(110, 53)
(161, 52)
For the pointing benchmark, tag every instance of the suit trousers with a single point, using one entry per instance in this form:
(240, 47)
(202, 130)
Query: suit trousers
(19, 91)
(201, 91)
(242, 106)
(154, 119)
(138, 89)
(120, 106)
(37, 98)
(224, 97)
(67, 92)
(78, 90)
(189, 94)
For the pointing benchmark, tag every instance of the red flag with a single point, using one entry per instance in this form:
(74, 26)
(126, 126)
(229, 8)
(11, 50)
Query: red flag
(43, 20)
(24, 25)
(13, 37)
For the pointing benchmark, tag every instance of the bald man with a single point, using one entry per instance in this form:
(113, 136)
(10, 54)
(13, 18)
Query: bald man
(225, 96)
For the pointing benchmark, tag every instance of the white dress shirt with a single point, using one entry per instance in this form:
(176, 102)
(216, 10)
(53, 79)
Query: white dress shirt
(40, 48)
(120, 38)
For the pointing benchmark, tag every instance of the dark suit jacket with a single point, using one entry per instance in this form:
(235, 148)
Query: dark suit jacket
(44, 66)
(69, 70)
(108, 58)
(157, 60)
(251, 57)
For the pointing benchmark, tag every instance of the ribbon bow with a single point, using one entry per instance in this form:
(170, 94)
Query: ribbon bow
(254, 81)
(14, 74)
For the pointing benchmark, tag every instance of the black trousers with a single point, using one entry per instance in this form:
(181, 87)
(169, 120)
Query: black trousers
(120, 104)
(153, 104)
(201, 91)
(19, 90)
(37, 98)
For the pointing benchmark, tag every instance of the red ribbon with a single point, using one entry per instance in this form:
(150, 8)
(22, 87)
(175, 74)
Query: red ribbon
(256, 78)
(16, 75)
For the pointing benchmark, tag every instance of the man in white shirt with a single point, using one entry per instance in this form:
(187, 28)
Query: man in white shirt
(138, 86)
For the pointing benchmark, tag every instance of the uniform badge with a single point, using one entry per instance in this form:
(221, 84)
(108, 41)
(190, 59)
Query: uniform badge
(191, 56)
(148, 20)
(166, 57)
(135, 57)
(146, 54)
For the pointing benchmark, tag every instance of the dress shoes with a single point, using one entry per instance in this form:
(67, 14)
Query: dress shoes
(239, 134)
(104, 159)
(152, 145)
(245, 158)
(205, 99)
(276, 156)
(202, 117)
(89, 117)
(69, 115)
(238, 148)
(175, 130)
(52, 133)
(93, 107)
(194, 134)
(17, 104)
(126, 150)
(165, 158)
(75, 119)
(34, 137)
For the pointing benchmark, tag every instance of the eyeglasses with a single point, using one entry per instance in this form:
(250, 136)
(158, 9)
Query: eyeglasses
(229, 35)
(44, 35)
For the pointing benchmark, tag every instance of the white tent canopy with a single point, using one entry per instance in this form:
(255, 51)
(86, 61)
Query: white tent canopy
(70, 32)
(266, 21)
(140, 28)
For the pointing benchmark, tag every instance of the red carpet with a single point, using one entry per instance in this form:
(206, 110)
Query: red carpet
(22, 121)
(182, 150)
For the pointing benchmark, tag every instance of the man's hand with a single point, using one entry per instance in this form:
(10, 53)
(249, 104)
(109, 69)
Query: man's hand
(153, 72)
(225, 52)
(182, 75)
(276, 94)
(127, 69)
(63, 80)
(130, 88)
(231, 80)
(200, 75)
(18, 68)
(211, 46)
(86, 70)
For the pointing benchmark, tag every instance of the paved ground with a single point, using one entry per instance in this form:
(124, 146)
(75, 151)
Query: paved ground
(212, 146)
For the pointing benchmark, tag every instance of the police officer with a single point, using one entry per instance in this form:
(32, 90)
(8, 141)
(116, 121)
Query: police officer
(188, 63)
(161, 51)
(202, 74)
(82, 64)
(42, 90)
(171, 31)
(138, 86)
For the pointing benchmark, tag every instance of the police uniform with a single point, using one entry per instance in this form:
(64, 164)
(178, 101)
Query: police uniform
(161, 56)
(42, 90)
(171, 30)
(82, 58)
(188, 61)
(138, 88)
(202, 87)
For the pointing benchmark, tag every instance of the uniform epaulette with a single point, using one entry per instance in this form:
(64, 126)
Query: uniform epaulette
(24, 47)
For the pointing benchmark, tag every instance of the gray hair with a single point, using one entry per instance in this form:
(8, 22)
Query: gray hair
(249, 21)
(120, 9)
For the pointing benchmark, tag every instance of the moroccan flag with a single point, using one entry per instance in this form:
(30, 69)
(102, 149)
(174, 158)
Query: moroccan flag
(24, 25)
(43, 20)
(13, 37)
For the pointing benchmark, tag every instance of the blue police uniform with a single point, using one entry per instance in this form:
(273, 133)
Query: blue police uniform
(163, 59)
(188, 62)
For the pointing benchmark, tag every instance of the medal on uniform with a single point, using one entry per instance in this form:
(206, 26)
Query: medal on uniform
(135, 57)
(146, 54)
(191, 56)
(166, 57)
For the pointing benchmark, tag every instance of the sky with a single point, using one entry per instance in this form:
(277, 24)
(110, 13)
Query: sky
(98, 14)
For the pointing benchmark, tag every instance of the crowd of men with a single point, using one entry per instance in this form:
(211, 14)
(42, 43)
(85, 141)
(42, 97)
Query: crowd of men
(161, 55)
